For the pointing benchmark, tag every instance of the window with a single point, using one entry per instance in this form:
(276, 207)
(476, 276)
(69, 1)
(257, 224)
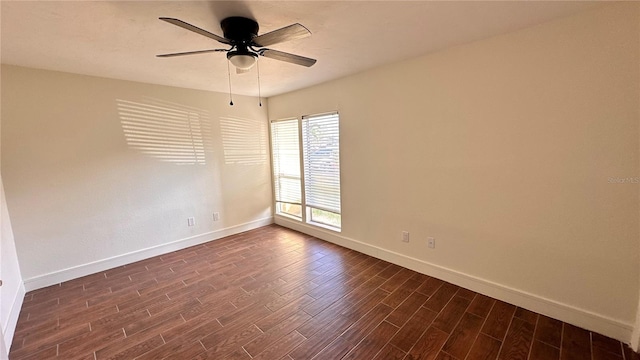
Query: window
(320, 141)
(319, 203)
(285, 147)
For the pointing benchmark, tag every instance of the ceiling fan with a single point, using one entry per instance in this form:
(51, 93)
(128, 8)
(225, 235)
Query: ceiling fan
(246, 45)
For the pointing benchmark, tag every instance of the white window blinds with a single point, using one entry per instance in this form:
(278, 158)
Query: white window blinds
(286, 161)
(320, 139)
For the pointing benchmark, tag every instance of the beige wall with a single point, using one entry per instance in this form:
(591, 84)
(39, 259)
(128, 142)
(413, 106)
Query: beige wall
(91, 175)
(635, 339)
(12, 289)
(502, 150)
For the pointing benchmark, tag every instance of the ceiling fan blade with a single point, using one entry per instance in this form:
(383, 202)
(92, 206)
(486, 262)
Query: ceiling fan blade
(283, 56)
(291, 32)
(191, 52)
(195, 29)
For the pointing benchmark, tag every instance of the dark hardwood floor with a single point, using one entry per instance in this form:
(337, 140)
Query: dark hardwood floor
(273, 293)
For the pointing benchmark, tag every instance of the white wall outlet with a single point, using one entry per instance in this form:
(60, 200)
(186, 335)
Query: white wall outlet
(216, 216)
(405, 236)
(431, 242)
(191, 221)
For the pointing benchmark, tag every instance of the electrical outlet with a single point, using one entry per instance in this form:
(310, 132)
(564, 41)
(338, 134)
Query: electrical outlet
(431, 242)
(405, 236)
(216, 216)
(191, 221)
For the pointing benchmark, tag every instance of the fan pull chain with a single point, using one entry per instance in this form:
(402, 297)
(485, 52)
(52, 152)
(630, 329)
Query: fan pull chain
(259, 94)
(229, 73)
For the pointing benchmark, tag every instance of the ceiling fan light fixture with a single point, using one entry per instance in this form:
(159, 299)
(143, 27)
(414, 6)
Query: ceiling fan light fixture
(242, 61)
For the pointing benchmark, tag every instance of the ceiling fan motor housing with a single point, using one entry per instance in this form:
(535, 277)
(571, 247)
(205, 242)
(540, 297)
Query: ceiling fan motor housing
(239, 29)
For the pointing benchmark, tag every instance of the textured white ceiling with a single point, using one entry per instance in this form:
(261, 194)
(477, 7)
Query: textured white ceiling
(119, 39)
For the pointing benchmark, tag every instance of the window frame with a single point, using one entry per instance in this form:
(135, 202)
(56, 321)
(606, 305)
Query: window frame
(306, 210)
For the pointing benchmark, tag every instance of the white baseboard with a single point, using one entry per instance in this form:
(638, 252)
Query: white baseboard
(9, 328)
(59, 276)
(589, 320)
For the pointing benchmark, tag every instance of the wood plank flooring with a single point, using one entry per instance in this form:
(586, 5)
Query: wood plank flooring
(273, 293)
